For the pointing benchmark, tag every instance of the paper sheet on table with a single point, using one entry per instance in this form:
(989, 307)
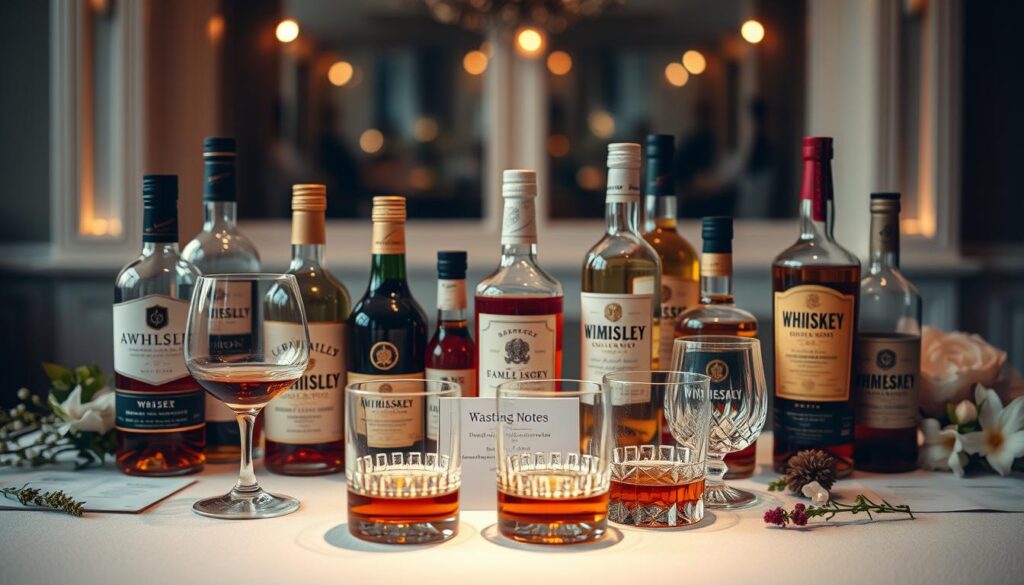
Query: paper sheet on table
(948, 493)
(101, 492)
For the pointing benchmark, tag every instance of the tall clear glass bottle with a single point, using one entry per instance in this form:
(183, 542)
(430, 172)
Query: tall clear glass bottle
(304, 426)
(519, 306)
(221, 248)
(887, 354)
(159, 407)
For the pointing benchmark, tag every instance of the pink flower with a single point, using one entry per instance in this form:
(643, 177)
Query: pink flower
(799, 515)
(951, 365)
(776, 516)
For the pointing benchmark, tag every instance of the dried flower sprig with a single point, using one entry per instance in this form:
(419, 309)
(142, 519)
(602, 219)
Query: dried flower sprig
(58, 500)
(801, 513)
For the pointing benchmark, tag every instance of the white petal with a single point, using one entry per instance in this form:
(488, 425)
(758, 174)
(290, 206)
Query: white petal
(930, 427)
(991, 408)
(957, 461)
(1012, 418)
(934, 457)
(1001, 460)
(1014, 444)
(976, 442)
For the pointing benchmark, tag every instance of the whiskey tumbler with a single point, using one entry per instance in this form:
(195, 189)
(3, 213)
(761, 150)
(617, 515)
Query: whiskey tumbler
(402, 463)
(554, 452)
(655, 485)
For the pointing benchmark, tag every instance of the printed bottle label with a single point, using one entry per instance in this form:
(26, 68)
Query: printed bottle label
(149, 338)
(518, 223)
(677, 295)
(389, 423)
(231, 318)
(311, 411)
(885, 373)
(616, 335)
(451, 295)
(813, 343)
(158, 412)
(515, 347)
(466, 379)
(388, 238)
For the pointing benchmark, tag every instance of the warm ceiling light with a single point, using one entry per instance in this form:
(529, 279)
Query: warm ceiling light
(558, 145)
(529, 41)
(287, 30)
(486, 48)
(602, 124)
(752, 31)
(475, 62)
(340, 73)
(676, 74)
(694, 62)
(215, 27)
(589, 178)
(371, 141)
(559, 62)
(425, 129)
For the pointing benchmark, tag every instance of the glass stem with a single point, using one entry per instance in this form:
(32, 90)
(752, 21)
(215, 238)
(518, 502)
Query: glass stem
(716, 470)
(246, 475)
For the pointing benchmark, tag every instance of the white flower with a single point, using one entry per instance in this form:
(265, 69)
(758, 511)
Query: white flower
(951, 365)
(941, 448)
(818, 495)
(1001, 438)
(97, 415)
(966, 412)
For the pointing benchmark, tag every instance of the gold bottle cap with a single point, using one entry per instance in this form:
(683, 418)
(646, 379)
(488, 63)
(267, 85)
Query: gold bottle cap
(309, 197)
(389, 209)
(309, 202)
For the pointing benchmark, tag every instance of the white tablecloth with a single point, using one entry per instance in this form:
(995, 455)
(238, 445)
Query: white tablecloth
(171, 544)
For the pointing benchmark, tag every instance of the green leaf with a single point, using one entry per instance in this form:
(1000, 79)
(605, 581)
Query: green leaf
(951, 413)
(57, 372)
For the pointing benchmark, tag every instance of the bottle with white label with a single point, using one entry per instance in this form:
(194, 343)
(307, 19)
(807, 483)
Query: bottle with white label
(303, 426)
(619, 309)
(451, 353)
(220, 248)
(887, 351)
(159, 408)
(679, 264)
(518, 306)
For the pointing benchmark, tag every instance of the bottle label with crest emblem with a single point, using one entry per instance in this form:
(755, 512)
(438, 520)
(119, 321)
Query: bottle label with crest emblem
(814, 328)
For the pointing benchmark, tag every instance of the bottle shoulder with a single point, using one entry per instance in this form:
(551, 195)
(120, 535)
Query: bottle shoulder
(318, 283)
(387, 310)
(626, 246)
(668, 241)
(158, 273)
(815, 252)
(222, 250)
(522, 277)
(729, 313)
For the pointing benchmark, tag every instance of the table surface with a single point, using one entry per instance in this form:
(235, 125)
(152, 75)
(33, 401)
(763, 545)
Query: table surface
(171, 544)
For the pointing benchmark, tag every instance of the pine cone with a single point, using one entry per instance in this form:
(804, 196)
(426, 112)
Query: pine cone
(810, 465)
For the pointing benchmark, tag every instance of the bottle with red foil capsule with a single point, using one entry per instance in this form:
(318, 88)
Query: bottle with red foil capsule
(451, 353)
(519, 306)
(816, 285)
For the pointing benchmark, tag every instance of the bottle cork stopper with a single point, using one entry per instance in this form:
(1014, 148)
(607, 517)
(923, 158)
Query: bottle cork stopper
(388, 208)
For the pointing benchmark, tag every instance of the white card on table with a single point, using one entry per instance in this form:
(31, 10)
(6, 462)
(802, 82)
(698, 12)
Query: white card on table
(100, 491)
(538, 424)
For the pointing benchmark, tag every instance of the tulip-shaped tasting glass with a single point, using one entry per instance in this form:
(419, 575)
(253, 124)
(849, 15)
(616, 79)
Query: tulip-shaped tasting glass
(553, 492)
(266, 351)
(402, 461)
(655, 485)
(739, 403)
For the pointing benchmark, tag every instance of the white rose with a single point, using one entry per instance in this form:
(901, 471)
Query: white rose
(952, 364)
(97, 415)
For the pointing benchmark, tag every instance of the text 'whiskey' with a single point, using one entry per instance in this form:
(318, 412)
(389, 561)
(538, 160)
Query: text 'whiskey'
(159, 407)
(451, 353)
(815, 284)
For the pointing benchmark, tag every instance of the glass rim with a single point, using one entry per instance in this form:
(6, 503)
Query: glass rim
(719, 341)
(593, 388)
(683, 377)
(446, 389)
(246, 276)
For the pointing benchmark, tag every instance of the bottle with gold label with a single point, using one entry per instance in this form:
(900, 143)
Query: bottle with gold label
(887, 353)
(679, 273)
(303, 426)
(388, 334)
(815, 284)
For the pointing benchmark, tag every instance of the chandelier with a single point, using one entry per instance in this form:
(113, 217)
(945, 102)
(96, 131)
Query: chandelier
(553, 15)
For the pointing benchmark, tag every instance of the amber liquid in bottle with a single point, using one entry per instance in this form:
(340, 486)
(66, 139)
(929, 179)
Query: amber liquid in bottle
(160, 454)
(451, 353)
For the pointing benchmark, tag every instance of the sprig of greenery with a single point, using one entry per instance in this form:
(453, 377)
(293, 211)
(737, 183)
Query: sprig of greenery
(861, 504)
(778, 485)
(58, 500)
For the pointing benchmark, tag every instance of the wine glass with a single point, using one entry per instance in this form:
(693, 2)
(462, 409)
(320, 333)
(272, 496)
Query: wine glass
(265, 360)
(739, 404)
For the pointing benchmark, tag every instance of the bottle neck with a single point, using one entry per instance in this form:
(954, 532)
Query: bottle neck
(817, 213)
(660, 211)
(219, 213)
(161, 248)
(451, 303)
(622, 200)
(512, 253)
(307, 255)
(716, 278)
(885, 241)
(621, 216)
(387, 271)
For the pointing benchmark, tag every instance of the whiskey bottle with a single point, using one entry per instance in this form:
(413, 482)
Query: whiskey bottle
(887, 353)
(679, 265)
(717, 314)
(303, 426)
(159, 407)
(451, 353)
(221, 248)
(388, 335)
(518, 306)
(815, 284)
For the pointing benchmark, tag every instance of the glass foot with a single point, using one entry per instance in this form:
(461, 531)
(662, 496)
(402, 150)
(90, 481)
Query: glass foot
(237, 505)
(723, 497)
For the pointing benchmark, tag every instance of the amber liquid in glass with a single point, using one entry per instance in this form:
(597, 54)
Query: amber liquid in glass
(380, 510)
(589, 511)
(242, 387)
(163, 453)
(652, 493)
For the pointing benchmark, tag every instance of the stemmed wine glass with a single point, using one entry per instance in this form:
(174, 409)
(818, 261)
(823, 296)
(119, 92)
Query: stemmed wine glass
(739, 404)
(267, 351)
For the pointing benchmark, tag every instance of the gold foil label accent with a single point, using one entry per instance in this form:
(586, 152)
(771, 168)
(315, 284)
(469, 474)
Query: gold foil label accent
(712, 264)
(813, 343)
(886, 370)
(308, 227)
(388, 238)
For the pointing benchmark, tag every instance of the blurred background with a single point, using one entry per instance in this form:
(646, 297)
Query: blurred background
(432, 98)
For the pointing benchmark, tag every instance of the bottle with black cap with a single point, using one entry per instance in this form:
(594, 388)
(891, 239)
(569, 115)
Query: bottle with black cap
(717, 314)
(887, 353)
(221, 248)
(159, 407)
(679, 273)
(451, 353)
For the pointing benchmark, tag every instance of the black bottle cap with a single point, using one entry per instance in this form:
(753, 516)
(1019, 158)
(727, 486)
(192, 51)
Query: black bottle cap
(451, 265)
(219, 145)
(219, 171)
(717, 234)
(160, 189)
(660, 179)
(160, 208)
(886, 196)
